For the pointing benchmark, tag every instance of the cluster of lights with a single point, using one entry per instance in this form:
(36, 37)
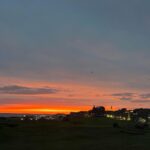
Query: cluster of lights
(118, 117)
(110, 116)
(38, 117)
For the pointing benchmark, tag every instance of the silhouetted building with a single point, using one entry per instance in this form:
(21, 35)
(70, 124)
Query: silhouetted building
(97, 111)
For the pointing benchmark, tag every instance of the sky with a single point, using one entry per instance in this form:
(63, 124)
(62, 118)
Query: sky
(68, 55)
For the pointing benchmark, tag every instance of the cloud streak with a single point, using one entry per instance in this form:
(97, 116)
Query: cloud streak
(133, 97)
(124, 96)
(15, 89)
(141, 101)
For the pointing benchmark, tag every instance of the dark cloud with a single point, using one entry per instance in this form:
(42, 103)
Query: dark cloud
(122, 94)
(15, 89)
(133, 97)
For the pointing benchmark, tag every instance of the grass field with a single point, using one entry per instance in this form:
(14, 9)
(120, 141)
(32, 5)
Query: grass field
(84, 134)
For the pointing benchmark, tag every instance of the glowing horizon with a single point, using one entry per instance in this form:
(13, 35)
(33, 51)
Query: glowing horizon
(47, 97)
(71, 55)
(39, 109)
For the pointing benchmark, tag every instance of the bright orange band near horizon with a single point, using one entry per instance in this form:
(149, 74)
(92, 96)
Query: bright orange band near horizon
(40, 109)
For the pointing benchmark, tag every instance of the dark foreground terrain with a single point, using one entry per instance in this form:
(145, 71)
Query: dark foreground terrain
(85, 134)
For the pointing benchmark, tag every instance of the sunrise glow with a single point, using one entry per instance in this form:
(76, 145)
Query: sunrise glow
(69, 56)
